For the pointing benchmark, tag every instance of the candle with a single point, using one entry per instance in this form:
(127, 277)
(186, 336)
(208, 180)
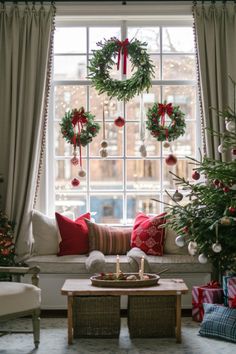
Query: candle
(117, 266)
(141, 272)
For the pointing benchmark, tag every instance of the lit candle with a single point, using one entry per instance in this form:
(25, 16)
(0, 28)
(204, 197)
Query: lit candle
(117, 266)
(141, 268)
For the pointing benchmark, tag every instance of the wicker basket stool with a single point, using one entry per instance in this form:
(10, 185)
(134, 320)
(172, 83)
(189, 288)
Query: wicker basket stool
(151, 316)
(96, 316)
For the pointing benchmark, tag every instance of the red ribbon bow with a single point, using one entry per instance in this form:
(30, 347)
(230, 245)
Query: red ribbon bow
(164, 109)
(123, 49)
(212, 285)
(79, 117)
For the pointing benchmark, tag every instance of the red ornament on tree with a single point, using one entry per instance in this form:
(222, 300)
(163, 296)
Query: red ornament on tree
(226, 189)
(216, 182)
(195, 175)
(232, 210)
(75, 182)
(119, 122)
(171, 160)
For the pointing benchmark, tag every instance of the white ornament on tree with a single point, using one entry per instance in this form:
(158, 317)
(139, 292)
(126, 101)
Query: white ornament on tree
(230, 126)
(192, 248)
(216, 247)
(202, 258)
(180, 241)
(221, 149)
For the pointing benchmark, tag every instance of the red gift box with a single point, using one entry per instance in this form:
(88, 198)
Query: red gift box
(211, 293)
(232, 292)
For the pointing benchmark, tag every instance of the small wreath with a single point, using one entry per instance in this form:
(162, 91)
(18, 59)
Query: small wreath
(103, 60)
(78, 127)
(165, 122)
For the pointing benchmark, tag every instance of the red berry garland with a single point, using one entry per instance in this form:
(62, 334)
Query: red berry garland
(165, 122)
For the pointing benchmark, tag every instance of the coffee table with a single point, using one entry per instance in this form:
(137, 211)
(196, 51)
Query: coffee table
(82, 287)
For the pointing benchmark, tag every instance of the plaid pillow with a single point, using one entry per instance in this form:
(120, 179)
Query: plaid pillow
(219, 321)
(108, 240)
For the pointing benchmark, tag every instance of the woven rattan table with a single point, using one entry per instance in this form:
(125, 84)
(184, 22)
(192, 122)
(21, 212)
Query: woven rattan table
(169, 288)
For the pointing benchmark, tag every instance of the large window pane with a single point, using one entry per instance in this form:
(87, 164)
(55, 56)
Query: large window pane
(178, 67)
(70, 67)
(97, 34)
(108, 208)
(64, 173)
(143, 174)
(70, 40)
(178, 39)
(150, 35)
(70, 205)
(183, 96)
(182, 169)
(142, 203)
(68, 98)
(106, 174)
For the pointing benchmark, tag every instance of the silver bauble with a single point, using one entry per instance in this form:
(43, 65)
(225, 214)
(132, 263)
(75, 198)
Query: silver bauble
(192, 248)
(221, 149)
(216, 247)
(104, 144)
(143, 150)
(230, 126)
(180, 241)
(202, 258)
(103, 153)
(82, 172)
(166, 144)
(177, 196)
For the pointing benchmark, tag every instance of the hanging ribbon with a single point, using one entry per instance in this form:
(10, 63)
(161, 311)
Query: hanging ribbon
(123, 49)
(164, 109)
(79, 118)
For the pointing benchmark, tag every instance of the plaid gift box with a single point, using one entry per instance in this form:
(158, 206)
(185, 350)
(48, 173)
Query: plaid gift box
(211, 293)
(232, 292)
(226, 290)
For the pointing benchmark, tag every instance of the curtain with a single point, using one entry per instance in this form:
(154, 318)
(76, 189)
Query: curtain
(26, 38)
(215, 34)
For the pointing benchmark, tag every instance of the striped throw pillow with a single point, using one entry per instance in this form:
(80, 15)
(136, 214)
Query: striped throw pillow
(107, 239)
(219, 322)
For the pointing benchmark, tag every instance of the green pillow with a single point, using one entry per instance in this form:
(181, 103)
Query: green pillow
(219, 322)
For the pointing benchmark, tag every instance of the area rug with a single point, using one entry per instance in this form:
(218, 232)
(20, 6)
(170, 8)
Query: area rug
(54, 341)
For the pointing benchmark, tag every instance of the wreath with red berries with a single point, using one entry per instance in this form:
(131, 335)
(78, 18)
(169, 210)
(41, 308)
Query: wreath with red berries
(78, 127)
(165, 121)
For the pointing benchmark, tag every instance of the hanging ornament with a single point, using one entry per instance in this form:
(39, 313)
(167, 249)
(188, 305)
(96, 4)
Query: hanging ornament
(233, 152)
(166, 144)
(74, 160)
(225, 221)
(221, 149)
(192, 248)
(143, 150)
(171, 160)
(230, 126)
(180, 241)
(216, 247)
(232, 210)
(82, 172)
(75, 182)
(104, 144)
(233, 186)
(226, 189)
(195, 175)
(119, 122)
(177, 196)
(202, 258)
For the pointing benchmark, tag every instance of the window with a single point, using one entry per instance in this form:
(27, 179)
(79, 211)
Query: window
(117, 187)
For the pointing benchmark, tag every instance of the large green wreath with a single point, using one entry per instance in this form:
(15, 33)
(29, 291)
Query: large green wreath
(86, 131)
(165, 129)
(103, 59)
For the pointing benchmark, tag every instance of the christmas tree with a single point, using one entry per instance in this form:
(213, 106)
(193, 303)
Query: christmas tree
(206, 218)
(7, 246)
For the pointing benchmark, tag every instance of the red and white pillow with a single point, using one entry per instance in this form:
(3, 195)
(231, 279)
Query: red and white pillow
(148, 235)
(74, 235)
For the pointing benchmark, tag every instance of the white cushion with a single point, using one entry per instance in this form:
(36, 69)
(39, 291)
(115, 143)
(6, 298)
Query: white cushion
(18, 297)
(45, 233)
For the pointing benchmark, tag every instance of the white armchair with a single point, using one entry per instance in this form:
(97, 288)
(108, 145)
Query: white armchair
(20, 299)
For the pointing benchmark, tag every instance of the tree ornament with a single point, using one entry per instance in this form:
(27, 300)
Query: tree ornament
(180, 241)
(177, 196)
(222, 149)
(104, 144)
(225, 221)
(216, 182)
(195, 175)
(143, 150)
(226, 189)
(230, 126)
(233, 187)
(165, 122)
(166, 144)
(171, 160)
(82, 172)
(103, 59)
(75, 182)
(192, 248)
(232, 210)
(202, 258)
(103, 153)
(119, 122)
(216, 247)
(233, 152)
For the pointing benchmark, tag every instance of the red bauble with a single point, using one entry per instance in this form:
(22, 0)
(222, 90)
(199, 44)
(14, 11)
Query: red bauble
(119, 122)
(171, 160)
(226, 189)
(185, 229)
(232, 210)
(216, 182)
(195, 175)
(75, 182)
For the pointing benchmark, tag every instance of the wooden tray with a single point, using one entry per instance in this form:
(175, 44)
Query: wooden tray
(153, 280)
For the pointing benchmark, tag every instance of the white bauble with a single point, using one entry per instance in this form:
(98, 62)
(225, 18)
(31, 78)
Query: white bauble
(202, 258)
(221, 149)
(192, 248)
(180, 241)
(104, 144)
(230, 126)
(103, 153)
(233, 187)
(216, 247)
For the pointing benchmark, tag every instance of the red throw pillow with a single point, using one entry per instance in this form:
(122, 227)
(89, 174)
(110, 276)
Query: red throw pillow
(147, 235)
(74, 235)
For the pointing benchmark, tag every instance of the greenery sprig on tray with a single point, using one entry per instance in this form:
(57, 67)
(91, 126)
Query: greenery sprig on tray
(103, 60)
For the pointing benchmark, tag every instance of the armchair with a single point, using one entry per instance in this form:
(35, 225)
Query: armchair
(20, 299)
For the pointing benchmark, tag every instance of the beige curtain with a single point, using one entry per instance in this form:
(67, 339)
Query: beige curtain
(26, 36)
(215, 30)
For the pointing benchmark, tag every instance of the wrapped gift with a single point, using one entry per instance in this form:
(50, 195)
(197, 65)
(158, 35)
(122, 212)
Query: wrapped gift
(226, 279)
(231, 282)
(211, 293)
